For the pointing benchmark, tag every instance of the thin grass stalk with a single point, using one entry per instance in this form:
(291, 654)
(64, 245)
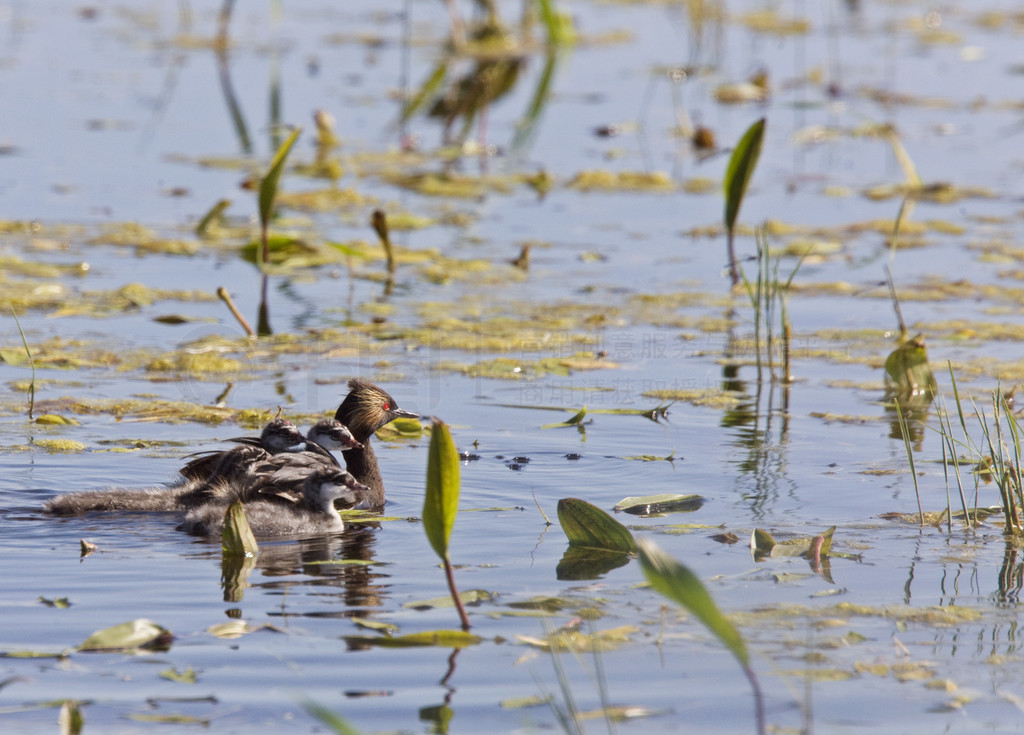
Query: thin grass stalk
(1015, 432)
(602, 682)
(948, 443)
(569, 718)
(31, 364)
(1005, 478)
(1010, 510)
(905, 433)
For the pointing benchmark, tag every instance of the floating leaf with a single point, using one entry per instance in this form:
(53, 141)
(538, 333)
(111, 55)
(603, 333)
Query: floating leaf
(188, 676)
(441, 504)
(236, 538)
(171, 719)
(763, 545)
(575, 420)
(570, 638)
(442, 638)
(588, 526)
(50, 419)
(138, 633)
(676, 582)
(60, 602)
(378, 625)
(33, 654)
(665, 503)
(232, 629)
(469, 597)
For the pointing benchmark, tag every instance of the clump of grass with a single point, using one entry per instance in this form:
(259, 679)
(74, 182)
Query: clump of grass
(769, 297)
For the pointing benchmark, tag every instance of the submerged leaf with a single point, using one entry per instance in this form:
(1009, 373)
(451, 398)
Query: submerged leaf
(138, 633)
(441, 504)
(678, 583)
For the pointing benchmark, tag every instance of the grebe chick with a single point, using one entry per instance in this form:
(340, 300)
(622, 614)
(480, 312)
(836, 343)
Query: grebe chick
(196, 486)
(365, 409)
(279, 435)
(315, 514)
(285, 474)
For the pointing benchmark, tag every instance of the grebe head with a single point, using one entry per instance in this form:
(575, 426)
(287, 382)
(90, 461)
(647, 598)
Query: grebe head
(333, 435)
(366, 408)
(281, 435)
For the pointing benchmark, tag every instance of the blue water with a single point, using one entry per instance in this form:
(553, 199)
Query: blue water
(102, 131)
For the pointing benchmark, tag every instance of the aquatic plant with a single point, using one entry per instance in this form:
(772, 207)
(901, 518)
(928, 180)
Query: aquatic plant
(676, 582)
(441, 503)
(31, 364)
(768, 295)
(737, 175)
(268, 191)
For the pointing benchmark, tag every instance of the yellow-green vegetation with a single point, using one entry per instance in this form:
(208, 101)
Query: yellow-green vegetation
(60, 446)
(604, 180)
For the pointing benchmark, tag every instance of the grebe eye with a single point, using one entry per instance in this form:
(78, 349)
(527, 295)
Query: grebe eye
(387, 406)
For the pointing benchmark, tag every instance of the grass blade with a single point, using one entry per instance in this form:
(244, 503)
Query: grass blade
(737, 176)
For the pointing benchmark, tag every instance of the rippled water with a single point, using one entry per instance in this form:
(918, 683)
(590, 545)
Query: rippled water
(111, 128)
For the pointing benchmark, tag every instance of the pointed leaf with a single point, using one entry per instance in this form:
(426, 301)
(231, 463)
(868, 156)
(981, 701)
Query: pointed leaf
(138, 633)
(741, 168)
(587, 525)
(441, 504)
(761, 543)
(268, 187)
(678, 583)
(236, 539)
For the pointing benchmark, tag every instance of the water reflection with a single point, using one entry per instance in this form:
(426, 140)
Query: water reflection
(345, 561)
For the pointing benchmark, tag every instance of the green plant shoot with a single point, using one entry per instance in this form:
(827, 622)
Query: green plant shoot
(441, 503)
(676, 582)
(268, 188)
(737, 176)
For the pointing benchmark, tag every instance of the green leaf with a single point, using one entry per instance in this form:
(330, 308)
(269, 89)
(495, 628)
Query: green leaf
(589, 526)
(188, 676)
(138, 633)
(575, 420)
(441, 638)
(679, 584)
(268, 187)
(664, 503)
(328, 718)
(441, 504)
(741, 168)
(236, 538)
